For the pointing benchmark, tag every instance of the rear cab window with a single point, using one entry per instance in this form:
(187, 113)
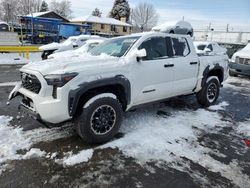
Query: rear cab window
(180, 47)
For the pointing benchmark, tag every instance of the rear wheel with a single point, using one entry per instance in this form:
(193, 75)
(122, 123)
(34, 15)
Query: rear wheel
(209, 92)
(100, 120)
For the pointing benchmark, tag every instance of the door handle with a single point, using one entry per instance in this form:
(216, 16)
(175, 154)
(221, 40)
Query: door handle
(193, 63)
(168, 65)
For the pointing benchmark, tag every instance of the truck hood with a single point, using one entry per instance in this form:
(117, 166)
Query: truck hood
(241, 54)
(73, 64)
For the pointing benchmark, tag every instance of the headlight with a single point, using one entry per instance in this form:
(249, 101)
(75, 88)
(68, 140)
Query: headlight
(237, 59)
(59, 80)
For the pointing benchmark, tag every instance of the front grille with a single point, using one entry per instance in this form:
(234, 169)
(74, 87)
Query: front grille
(30, 82)
(244, 61)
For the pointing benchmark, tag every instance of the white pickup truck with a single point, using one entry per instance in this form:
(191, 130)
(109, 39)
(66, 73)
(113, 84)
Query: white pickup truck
(118, 75)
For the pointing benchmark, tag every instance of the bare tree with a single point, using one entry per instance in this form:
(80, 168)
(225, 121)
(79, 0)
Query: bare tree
(62, 8)
(28, 6)
(10, 9)
(144, 16)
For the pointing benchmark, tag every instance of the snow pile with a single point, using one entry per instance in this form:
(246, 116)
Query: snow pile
(244, 129)
(14, 139)
(82, 156)
(34, 153)
(220, 106)
(15, 58)
(150, 137)
(11, 140)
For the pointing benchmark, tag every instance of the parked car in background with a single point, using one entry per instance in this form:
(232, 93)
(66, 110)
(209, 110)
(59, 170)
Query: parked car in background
(208, 48)
(240, 62)
(175, 27)
(89, 44)
(69, 44)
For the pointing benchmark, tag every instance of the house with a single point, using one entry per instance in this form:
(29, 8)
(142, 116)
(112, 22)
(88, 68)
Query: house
(48, 14)
(105, 26)
(47, 27)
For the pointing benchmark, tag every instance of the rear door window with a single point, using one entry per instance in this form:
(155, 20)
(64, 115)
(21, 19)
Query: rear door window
(180, 47)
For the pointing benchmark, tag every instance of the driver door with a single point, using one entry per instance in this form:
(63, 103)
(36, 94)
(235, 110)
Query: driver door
(153, 75)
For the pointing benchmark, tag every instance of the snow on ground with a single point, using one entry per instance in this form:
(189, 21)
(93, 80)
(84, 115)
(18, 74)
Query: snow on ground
(220, 106)
(149, 137)
(8, 84)
(14, 139)
(244, 129)
(244, 82)
(82, 156)
(33, 153)
(15, 58)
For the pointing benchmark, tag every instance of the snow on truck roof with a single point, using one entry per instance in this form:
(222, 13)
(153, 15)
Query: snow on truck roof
(204, 43)
(101, 20)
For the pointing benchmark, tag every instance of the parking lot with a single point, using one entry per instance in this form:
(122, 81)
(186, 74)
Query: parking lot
(172, 144)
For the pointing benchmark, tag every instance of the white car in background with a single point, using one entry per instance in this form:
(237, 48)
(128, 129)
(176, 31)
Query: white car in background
(89, 44)
(209, 48)
(240, 62)
(175, 27)
(69, 44)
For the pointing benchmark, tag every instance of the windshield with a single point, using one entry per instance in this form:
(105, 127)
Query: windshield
(114, 47)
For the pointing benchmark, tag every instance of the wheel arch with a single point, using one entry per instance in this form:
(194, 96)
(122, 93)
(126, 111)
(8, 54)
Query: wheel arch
(118, 85)
(217, 71)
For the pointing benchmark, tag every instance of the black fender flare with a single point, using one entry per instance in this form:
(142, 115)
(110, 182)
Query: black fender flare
(208, 70)
(75, 95)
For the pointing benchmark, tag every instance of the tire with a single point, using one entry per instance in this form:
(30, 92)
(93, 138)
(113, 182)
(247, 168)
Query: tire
(100, 115)
(209, 92)
(232, 74)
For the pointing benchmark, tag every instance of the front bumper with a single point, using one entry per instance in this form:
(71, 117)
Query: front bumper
(42, 106)
(236, 68)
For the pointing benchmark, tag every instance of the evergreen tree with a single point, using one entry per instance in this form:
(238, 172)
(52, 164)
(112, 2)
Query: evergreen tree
(97, 12)
(120, 9)
(44, 7)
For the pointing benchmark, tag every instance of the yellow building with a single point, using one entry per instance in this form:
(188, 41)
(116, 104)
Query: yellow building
(105, 26)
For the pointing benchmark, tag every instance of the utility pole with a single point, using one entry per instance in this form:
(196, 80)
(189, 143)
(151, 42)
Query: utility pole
(8, 13)
(227, 28)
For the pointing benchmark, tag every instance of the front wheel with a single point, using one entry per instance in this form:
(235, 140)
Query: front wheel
(209, 92)
(232, 74)
(100, 120)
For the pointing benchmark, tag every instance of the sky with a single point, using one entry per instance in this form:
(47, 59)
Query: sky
(200, 13)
